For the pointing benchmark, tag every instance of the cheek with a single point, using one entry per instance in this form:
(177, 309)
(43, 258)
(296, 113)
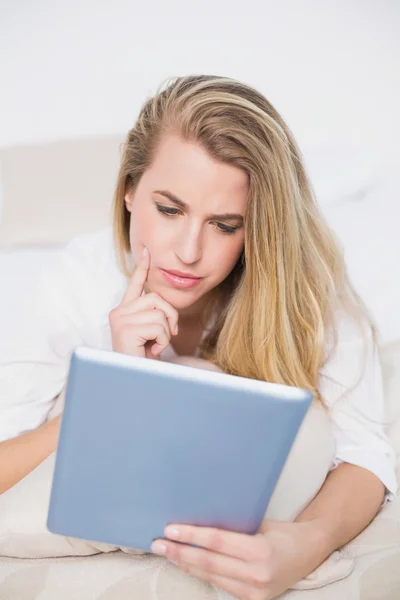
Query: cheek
(140, 229)
(146, 229)
(228, 255)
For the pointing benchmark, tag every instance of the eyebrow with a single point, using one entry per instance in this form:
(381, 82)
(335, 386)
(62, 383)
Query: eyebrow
(183, 205)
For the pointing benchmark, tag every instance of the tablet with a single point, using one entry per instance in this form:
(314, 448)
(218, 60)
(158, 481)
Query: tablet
(144, 443)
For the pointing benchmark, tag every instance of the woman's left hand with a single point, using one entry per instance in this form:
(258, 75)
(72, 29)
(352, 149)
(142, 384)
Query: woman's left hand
(250, 567)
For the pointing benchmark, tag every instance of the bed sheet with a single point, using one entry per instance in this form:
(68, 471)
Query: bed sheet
(19, 270)
(373, 574)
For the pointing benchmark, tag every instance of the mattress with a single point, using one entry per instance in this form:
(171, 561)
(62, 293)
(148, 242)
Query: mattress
(114, 576)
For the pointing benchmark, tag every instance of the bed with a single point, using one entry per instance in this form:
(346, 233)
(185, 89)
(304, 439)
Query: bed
(362, 215)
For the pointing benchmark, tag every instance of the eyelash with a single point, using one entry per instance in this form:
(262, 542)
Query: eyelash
(165, 210)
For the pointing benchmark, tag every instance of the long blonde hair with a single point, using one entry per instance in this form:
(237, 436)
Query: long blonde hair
(278, 305)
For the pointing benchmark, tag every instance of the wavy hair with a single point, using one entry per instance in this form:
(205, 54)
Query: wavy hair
(277, 309)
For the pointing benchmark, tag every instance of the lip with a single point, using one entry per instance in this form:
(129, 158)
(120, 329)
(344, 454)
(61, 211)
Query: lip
(179, 281)
(181, 274)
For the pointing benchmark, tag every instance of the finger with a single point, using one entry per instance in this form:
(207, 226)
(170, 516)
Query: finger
(147, 326)
(153, 301)
(136, 284)
(239, 545)
(214, 563)
(155, 351)
(141, 328)
(146, 317)
(156, 332)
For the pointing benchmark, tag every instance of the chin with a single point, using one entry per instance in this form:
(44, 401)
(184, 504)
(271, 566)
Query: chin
(178, 298)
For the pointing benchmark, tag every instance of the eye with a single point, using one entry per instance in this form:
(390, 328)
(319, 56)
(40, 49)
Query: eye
(167, 210)
(225, 228)
(172, 212)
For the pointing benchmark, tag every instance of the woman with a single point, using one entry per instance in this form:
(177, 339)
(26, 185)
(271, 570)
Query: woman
(221, 254)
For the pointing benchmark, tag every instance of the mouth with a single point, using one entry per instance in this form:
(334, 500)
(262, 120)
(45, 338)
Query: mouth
(180, 280)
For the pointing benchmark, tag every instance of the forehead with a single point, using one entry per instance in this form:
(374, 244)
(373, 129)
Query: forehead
(187, 171)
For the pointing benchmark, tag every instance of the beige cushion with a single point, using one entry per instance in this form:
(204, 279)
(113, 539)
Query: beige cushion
(23, 508)
(23, 515)
(364, 569)
(55, 191)
(115, 576)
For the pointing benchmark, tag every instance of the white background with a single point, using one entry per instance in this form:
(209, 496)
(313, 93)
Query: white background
(83, 67)
(71, 69)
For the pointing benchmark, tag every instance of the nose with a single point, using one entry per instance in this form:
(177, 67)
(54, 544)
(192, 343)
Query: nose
(189, 246)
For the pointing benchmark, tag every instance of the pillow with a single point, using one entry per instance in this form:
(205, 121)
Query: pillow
(371, 554)
(19, 270)
(59, 207)
(23, 515)
(370, 547)
(55, 191)
(23, 508)
(368, 231)
(341, 173)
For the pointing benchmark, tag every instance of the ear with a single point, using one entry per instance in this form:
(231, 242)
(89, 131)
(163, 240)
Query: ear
(128, 201)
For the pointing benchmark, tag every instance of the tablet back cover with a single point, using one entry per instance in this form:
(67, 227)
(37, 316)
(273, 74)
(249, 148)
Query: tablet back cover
(142, 445)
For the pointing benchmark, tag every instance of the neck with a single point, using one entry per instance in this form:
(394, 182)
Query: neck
(191, 315)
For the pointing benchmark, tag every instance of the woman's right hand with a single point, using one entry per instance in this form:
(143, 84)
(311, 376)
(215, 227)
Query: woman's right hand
(142, 325)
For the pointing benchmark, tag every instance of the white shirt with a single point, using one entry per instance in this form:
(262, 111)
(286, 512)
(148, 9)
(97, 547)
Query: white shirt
(70, 307)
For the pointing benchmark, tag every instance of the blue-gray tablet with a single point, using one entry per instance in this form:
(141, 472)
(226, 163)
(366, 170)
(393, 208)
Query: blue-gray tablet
(144, 443)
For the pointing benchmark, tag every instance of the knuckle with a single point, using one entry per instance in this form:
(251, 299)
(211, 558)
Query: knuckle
(172, 312)
(260, 577)
(207, 562)
(177, 554)
(160, 327)
(112, 315)
(153, 296)
(150, 329)
(215, 540)
(264, 552)
(159, 314)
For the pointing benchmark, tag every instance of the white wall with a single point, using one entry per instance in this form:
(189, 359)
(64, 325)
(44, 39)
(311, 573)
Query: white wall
(84, 67)
(78, 68)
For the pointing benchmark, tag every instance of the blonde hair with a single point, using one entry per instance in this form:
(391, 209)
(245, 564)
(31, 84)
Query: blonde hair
(277, 308)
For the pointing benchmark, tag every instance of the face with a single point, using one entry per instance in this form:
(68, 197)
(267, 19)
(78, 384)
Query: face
(188, 210)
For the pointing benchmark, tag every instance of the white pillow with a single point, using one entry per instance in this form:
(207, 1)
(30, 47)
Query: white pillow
(339, 173)
(19, 270)
(82, 204)
(368, 230)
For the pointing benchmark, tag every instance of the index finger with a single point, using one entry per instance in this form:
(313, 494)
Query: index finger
(138, 279)
(238, 545)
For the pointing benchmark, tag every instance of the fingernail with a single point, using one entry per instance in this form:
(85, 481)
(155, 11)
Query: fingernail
(159, 547)
(145, 252)
(172, 532)
(176, 329)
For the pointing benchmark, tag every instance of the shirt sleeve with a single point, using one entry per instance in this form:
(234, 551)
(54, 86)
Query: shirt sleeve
(351, 386)
(36, 343)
